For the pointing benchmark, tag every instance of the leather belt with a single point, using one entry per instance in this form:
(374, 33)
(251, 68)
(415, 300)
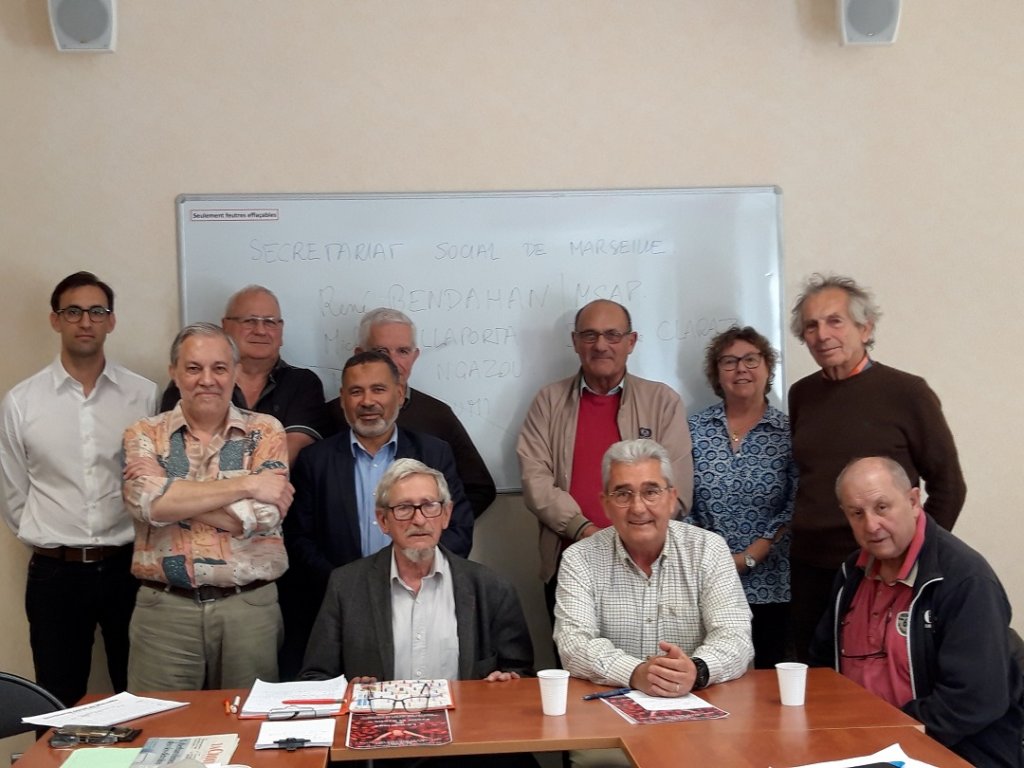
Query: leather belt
(82, 554)
(204, 594)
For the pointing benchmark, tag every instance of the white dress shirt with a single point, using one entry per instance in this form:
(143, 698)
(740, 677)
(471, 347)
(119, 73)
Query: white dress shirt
(424, 626)
(61, 457)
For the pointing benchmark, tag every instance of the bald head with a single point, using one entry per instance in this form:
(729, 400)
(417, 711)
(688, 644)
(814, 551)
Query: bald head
(857, 467)
(882, 509)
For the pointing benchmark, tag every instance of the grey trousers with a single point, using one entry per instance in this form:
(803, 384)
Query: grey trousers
(179, 644)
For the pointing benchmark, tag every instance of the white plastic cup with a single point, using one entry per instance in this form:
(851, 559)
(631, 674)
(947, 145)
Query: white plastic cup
(792, 682)
(554, 690)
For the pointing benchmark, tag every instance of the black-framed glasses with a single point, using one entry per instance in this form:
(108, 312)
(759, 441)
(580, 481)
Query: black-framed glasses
(612, 337)
(649, 494)
(75, 313)
(412, 702)
(407, 511)
(250, 322)
(729, 362)
(879, 653)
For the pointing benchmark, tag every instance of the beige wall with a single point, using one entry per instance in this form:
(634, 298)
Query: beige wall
(901, 165)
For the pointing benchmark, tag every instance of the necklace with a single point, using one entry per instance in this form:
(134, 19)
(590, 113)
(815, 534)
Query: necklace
(735, 437)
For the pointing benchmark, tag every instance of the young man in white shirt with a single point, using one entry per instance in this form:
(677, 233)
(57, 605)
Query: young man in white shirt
(60, 475)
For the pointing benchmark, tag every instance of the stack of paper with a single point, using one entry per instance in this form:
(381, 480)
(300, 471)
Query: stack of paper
(302, 733)
(109, 711)
(306, 698)
(892, 755)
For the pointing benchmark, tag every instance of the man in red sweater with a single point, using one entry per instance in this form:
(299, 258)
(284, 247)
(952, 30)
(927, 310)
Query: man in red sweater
(854, 407)
(572, 422)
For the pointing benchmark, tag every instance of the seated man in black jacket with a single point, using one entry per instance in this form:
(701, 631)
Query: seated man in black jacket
(919, 618)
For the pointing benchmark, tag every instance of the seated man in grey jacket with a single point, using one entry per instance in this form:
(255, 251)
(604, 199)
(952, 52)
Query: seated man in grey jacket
(413, 611)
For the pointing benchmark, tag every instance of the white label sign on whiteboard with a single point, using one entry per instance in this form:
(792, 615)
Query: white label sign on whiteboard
(493, 281)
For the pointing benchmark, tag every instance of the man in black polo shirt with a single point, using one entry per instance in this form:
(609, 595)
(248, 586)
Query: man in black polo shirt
(266, 383)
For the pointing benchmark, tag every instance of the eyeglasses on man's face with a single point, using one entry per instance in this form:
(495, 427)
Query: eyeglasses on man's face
(75, 313)
(623, 497)
(729, 362)
(252, 321)
(405, 512)
(612, 336)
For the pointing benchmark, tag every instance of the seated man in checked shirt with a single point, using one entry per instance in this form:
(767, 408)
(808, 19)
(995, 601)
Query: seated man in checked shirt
(650, 603)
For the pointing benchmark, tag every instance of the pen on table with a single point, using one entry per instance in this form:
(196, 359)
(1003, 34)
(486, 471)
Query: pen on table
(227, 707)
(606, 694)
(312, 701)
(236, 704)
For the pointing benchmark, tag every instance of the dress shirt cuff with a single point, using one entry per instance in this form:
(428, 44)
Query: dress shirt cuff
(142, 492)
(244, 510)
(620, 670)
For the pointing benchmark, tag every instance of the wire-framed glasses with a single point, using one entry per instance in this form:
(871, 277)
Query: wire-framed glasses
(412, 702)
(649, 494)
(878, 653)
(750, 361)
(612, 336)
(250, 322)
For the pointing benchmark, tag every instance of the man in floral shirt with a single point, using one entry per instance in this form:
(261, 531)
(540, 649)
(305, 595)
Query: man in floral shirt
(207, 484)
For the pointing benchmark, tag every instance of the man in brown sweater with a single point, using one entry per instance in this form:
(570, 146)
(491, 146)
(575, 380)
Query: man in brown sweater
(854, 407)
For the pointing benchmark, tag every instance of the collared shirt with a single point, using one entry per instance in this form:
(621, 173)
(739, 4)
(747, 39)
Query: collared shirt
(610, 615)
(860, 367)
(368, 472)
(747, 494)
(60, 456)
(423, 624)
(613, 391)
(188, 553)
(877, 624)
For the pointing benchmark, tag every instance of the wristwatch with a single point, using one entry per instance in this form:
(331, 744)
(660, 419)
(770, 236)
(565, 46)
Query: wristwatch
(749, 561)
(703, 675)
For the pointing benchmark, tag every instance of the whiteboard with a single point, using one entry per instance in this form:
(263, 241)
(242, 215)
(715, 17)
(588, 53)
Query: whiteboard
(493, 281)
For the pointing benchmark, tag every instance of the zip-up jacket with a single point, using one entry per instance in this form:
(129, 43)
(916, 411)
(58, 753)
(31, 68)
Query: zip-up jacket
(966, 687)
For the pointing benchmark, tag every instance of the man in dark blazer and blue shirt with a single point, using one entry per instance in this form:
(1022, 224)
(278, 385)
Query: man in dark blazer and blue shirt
(332, 520)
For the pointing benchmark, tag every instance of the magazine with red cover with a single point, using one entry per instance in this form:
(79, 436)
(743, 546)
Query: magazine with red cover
(686, 708)
(398, 729)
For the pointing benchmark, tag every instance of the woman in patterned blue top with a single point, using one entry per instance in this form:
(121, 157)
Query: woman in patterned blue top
(745, 479)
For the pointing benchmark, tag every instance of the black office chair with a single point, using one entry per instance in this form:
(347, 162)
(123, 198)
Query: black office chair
(22, 698)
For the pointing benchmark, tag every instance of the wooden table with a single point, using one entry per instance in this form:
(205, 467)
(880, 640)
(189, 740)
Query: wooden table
(839, 719)
(760, 749)
(203, 716)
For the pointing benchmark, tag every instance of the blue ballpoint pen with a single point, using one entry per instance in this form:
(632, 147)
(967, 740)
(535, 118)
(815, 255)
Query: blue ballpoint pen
(606, 694)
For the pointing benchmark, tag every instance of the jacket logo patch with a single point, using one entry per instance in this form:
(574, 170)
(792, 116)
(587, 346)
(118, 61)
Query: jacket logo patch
(645, 432)
(902, 622)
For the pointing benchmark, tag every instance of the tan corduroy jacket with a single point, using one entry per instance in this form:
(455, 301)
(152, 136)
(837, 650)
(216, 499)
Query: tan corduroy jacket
(545, 448)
